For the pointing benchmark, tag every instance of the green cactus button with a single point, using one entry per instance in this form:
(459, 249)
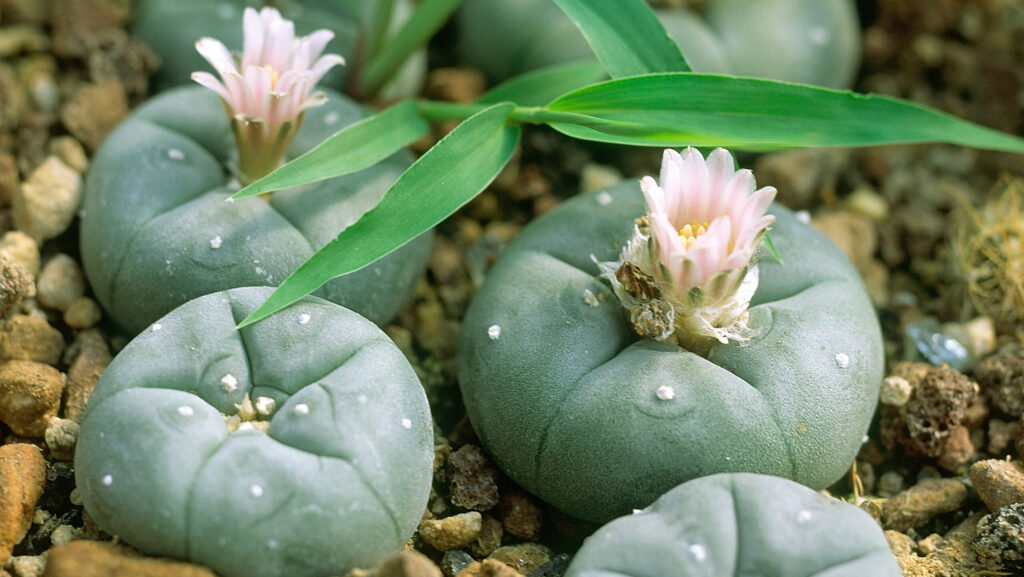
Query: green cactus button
(739, 524)
(159, 228)
(300, 445)
(596, 420)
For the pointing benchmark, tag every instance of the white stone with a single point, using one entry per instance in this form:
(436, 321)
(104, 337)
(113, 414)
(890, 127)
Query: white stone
(185, 411)
(155, 327)
(699, 553)
(589, 298)
(175, 154)
(665, 393)
(331, 118)
(301, 409)
(304, 318)
(803, 517)
(494, 331)
(895, 391)
(107, 480)
(255, 490)
(604, 199)
(265, 405)
(216, 241)
(406, 424)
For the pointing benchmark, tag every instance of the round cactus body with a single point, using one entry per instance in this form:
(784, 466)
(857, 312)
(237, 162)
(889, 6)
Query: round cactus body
(300, 445)
(597, 421)
(808, 41)
(158, 229)
(739, 524)
(172, 27)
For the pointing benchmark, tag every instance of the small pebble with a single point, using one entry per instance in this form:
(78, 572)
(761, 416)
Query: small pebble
(61, 436)
(473, 479)
(60, 283)
(998, 483)
(23, 250)
(29, 395)
(842, 360)
(493, 332)
(895, 391)
(16, 285)
(665, 393)
(1000, 435)
(556, 567)
(216, 242)
(94, 110)
(520, 516)
(70, 152)
(489, 568)
(957, 452)
(28, 338)
(82, 313)
(22, 479)
(27, 565)
(407, 564)
(597, 176)
(454, 561)
(523, 557)
(48, 201)
(88, 356)
(489, 538)
(453, 532)
(106, 559)
(918, 504)
(1001, 376)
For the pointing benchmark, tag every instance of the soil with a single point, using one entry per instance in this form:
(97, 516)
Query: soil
(935, 230)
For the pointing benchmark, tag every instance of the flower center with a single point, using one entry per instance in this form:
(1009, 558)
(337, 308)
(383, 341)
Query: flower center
(691, 232)
(275, 75)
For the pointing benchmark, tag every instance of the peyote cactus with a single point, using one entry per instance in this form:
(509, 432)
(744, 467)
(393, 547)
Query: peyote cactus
(158, 229)
(596, 420)
(299, 446)
(812, 41)
(739, 524)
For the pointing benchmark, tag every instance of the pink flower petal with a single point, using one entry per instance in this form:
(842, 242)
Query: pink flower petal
(252, 38)
(216, 54)
(210, 81)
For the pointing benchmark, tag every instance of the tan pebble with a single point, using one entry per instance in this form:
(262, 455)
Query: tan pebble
(82, 313)
(16, 285)
(22, 480)
(1000, 435)
(26, 338)
(408, 564)
(869, 203)
(597, 176)
(981, 336)
(61, 436)
(28, 565)
(64, 534)
(20, 38)
(60, 283)
(523, 557)
(38, 75)
(47, 202)
(930, 544)
(451, 532)
(895, 391)
(918, 504)
(105, 559)
(94, 110)
(90, 356)
(71, 152)
(22, 249)
(8, 178)
(998, 482)
(520, 515)
(853, 233)
(488, 568)
(29, 395)
(957, 451)
(489, 538)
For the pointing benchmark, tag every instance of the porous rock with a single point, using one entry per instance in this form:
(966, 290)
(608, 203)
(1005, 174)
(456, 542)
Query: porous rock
(998, 483)
(94, 111)
(936, 408)
(523, 557)
(26, 338)
(29, 395)
(407, 564)
(489, 568)
(104, 559)
(82, 313)
(89, 357)
(22, 479)
(520, 516)
(918, 504)
(489, 538)
(1001, 377)
(1000, 541)
(48, 201)
(22, 249)
(16, 284)
(473, 482)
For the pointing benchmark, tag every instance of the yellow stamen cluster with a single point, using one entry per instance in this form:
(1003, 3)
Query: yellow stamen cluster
(691, 232)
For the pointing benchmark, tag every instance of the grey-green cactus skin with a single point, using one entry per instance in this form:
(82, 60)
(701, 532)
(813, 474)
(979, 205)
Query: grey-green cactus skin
(339, 480)
(807, 41)
(739, 524)
(172, 27)
(565, 397)
(158, 230)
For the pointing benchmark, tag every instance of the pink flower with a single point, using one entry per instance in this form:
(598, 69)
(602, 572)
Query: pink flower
(705, 218)
(269, 88)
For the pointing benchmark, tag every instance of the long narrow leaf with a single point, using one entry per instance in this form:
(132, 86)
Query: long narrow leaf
(426, 19)
(448, 176)
(626, 36)
(539, 87)
(746, 113)
(359, 146)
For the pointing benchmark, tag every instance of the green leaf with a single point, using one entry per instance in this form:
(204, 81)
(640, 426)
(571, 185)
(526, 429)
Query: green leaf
(684, 109)
(448, 176)
(539, 87)
(426, 19)
(352, 149)
(626, 36)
